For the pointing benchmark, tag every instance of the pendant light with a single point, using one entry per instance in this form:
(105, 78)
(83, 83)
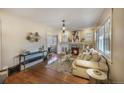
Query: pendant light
(63, 26)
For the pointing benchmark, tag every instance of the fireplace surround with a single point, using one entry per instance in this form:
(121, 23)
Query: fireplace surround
(74, 50)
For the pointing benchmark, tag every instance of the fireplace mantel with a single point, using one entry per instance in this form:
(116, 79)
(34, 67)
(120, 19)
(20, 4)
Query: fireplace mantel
(83, 43)
(80, 45)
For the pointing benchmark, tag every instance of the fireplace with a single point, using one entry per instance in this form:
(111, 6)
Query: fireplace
(75, 50)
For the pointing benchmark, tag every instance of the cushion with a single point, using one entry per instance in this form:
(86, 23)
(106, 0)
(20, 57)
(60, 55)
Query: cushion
(95, 58)
(94, 52)
(102, 60)
(81, 56)
(87, 57)
(90, 64)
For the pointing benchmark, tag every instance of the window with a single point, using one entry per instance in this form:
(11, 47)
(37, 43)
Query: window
(52, 41)
(103, 38)
(108, 38)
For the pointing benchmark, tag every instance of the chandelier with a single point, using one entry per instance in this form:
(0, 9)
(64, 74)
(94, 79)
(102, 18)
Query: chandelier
(63, 26)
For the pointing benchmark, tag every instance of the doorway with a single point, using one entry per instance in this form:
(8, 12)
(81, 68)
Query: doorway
(52, 43)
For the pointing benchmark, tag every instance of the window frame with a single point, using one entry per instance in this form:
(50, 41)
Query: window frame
(108, 56)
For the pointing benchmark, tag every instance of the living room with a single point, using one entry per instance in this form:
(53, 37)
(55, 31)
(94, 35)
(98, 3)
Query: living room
(61, 44)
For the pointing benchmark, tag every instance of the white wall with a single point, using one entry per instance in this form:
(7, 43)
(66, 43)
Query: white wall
(14, 31)
(107, 13)
(0, 45)
(117, 68)
(84, 32)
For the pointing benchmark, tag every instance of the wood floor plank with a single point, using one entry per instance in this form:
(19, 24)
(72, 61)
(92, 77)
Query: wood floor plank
(39, 74)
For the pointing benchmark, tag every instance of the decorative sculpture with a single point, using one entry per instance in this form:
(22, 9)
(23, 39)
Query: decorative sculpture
(33, 37)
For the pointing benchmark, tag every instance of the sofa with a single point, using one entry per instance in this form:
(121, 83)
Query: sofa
(88, 61)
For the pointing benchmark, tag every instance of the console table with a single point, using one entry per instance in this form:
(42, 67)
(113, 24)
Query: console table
(27, 58)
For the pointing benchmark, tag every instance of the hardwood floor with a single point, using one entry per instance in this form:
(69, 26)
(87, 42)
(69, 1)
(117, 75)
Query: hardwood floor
(39, 74)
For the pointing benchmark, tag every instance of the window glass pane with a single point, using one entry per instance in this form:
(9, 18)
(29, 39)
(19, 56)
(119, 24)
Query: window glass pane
(97, 39)
(103, 38)
(107, 37)
(51, 40)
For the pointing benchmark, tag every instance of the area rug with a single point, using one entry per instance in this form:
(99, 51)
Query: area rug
(61, 65)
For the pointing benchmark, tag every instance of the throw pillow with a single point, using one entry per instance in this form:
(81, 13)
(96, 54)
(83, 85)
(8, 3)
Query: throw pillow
(102, 60)
(95, 58)
(87, 57)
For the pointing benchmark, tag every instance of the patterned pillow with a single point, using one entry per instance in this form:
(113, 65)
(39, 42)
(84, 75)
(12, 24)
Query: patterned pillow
(95, 58)
(102, 60)
(87, 57)
(79, 56)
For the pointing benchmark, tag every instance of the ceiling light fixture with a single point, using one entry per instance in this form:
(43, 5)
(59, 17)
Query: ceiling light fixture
(63, 26)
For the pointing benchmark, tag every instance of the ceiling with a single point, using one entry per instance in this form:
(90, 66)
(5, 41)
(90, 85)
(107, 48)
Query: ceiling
(76, 18)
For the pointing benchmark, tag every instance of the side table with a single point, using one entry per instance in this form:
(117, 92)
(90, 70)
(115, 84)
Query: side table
(96, 76)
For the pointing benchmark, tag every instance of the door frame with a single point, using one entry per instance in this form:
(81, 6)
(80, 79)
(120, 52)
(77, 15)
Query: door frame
(56, 42)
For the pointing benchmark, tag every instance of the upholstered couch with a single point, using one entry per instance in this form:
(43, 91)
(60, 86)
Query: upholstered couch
(88, 61)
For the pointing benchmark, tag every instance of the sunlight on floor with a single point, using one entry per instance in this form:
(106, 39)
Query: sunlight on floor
(52, 59)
